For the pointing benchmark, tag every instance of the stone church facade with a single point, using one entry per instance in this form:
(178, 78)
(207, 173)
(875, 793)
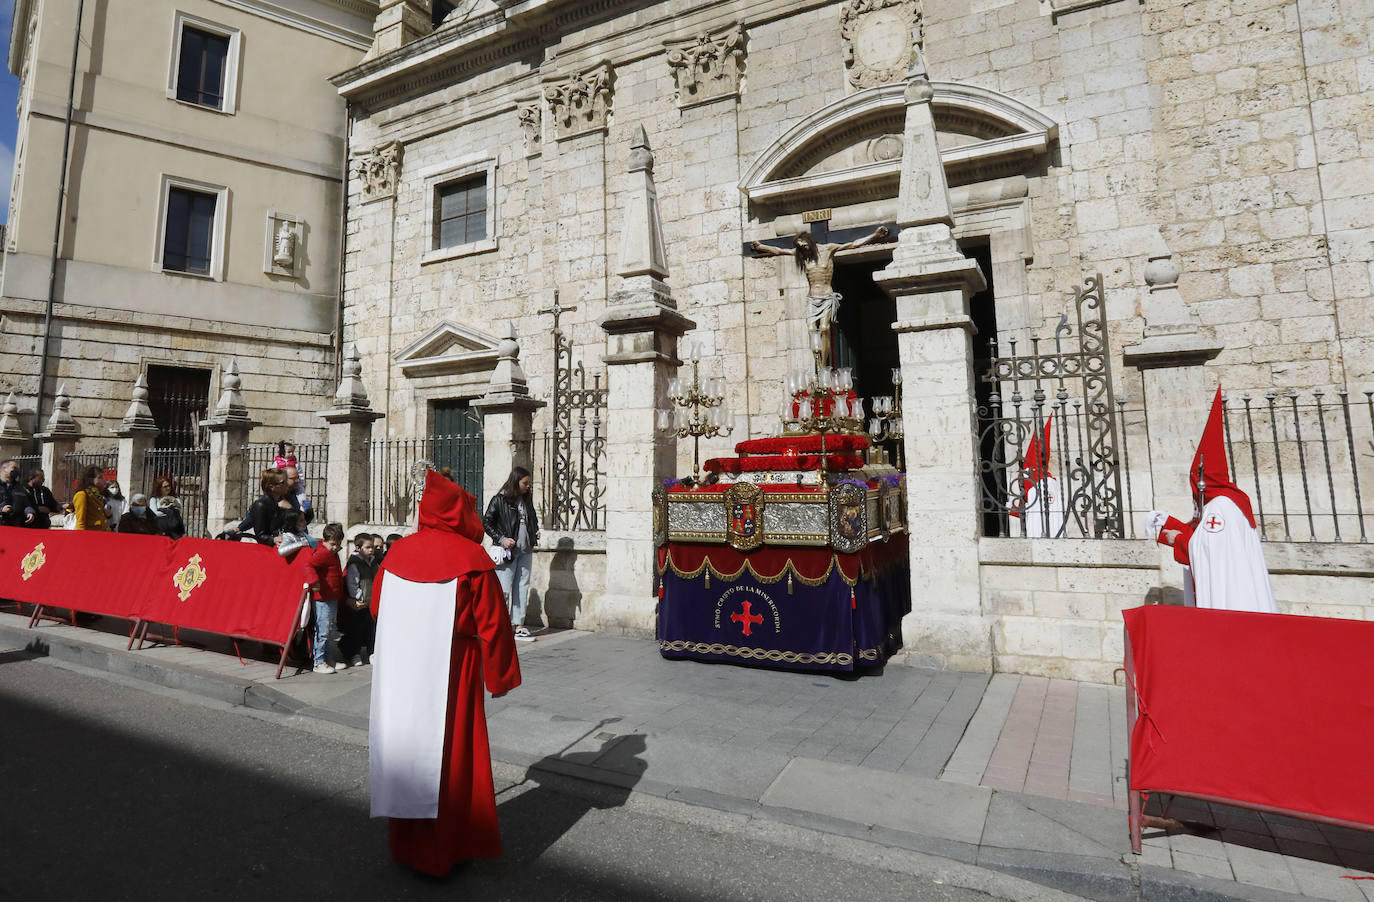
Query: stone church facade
(1213, 161)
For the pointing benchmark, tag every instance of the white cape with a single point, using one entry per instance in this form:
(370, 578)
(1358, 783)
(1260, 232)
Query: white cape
(410, 697)
(1037, 520)
(1228, 570)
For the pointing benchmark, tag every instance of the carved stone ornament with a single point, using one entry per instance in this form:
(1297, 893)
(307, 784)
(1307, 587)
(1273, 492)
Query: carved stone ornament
(660, 499)
(744, 516)
(880, 37)
(580, 104)
(708, 67)
(848, 518)
(530, 115)
(379, 171)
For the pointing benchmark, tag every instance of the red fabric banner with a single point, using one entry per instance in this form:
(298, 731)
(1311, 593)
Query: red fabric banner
(97, 572)
(1263, 709)
(231, 588)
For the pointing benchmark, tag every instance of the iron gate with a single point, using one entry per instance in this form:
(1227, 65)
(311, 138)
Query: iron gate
(1070, 389)
(573, 453)
(188, 470)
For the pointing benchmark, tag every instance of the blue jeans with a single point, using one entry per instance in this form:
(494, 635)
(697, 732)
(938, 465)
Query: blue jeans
(514, 575)
(325, 612)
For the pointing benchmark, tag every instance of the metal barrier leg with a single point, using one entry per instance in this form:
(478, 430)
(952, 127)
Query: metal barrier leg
(1135, 820)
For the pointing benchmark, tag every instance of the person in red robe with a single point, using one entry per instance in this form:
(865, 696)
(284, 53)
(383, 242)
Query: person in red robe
(452, 803)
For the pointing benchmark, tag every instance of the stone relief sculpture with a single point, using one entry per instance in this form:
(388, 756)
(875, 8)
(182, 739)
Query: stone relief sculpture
(530, 116)
(580, 104)
(379, 171)
(708, 67)
(880, 37)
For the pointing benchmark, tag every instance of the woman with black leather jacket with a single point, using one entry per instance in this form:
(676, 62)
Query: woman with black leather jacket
(265, 514)
(513, 525)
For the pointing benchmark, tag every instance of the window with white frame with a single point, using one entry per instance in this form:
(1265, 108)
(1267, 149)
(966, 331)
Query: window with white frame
(190, 236)
(462, 218)
(205, 63)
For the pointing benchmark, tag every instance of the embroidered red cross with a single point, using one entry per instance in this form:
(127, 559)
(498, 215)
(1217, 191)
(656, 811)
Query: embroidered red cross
(746, 618)
(1213, 523)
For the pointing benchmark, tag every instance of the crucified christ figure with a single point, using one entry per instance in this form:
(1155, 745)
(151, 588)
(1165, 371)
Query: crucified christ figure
(817, 262)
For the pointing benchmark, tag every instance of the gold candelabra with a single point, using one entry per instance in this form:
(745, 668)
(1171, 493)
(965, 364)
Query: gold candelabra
(697, 410)
(886, 423)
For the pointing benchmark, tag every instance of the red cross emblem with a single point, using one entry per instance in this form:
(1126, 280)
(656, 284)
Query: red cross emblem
(745, 618)
(1214, 524)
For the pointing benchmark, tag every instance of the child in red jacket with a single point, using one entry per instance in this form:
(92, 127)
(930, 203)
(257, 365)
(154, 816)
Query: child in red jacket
(325, 573)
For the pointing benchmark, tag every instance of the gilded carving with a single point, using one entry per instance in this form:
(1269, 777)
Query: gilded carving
(707, 67)
(744, 516)
(379, 171)
(848, 518)
(880, 37)
(660, 499)
(581, 103)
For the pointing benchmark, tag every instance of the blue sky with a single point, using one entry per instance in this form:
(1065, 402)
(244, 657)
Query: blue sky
(9, 95)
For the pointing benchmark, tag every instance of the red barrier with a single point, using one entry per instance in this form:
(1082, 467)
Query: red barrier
(236, 589)
(1264, 711)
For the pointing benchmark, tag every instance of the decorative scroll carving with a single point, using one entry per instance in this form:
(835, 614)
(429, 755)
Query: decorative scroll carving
(530, 115)
(379, 171)
(708, 67)
(744, 504)
(580, 104)
(880, 37)
(848, 517)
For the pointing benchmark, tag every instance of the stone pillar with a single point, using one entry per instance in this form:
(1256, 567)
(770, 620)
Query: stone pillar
(642, 328)
(932, 282)
(12, 437)
(229, 426)
(507, 419)
(398, 23)
(137, 434)
(350, 432)
(57, 442)
(1178, 395)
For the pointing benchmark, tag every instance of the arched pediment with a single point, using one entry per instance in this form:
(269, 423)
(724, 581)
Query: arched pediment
(852, 149)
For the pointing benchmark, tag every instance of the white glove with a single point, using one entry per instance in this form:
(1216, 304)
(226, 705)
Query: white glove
(1153, 521)
(496, 553)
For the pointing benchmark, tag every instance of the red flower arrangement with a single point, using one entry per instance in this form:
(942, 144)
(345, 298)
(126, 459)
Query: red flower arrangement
(769, 462)
(836, 443)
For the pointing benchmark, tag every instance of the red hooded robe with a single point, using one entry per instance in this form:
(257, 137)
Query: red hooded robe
(447, 547)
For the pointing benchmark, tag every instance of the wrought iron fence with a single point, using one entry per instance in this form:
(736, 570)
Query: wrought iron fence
(1063, 383)
(312, 461)
(65, 481)
(188, 469)
(28, 463)
(1305, 459)
(573, 450)
(392, 462)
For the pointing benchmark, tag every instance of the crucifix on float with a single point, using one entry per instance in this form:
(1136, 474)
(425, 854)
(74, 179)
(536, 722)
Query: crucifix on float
(814, 253)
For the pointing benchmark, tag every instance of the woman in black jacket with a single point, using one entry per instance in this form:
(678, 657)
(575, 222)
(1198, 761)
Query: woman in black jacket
(265, 515)
(513, 525)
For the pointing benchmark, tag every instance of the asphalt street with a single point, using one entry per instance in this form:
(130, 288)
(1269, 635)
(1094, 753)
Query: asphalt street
(109, 791)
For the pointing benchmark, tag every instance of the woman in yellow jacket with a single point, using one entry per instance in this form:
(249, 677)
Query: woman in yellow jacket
(88, 505)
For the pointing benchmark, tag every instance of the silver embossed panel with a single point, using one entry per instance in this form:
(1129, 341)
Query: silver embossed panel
(800, 522)
(695, 517)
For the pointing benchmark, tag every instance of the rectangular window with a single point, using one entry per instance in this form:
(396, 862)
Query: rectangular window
(202, 67)
(179, 398)
(460, 212)
(188, 242)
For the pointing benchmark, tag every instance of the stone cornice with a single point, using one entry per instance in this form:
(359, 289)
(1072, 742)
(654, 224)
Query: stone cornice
(509, 34)
(19, 33)
(305, 16)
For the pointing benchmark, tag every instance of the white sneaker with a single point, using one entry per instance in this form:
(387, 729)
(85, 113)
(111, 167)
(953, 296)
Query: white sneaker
(323, 668)
(356, 662)
(522, 634)
(341, 664)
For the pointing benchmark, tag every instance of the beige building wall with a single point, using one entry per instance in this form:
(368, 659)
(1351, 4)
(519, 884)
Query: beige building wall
(277, 150)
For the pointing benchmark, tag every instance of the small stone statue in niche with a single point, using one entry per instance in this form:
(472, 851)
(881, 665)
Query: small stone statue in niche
(284, 246)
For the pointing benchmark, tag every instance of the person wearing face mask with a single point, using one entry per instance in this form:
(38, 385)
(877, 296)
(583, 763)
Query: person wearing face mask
(115, 503)
(15, 509)
(138, 519)
(42, 500)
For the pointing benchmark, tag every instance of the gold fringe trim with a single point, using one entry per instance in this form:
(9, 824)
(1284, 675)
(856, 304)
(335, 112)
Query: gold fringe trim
(789, 570)
(761, 654)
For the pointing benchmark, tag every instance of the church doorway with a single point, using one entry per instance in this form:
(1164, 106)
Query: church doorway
(863, 340)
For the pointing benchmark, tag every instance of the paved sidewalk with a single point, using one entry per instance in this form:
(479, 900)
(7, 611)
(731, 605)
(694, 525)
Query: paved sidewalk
(1018, 774)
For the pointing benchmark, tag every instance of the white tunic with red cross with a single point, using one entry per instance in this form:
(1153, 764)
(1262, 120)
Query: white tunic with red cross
(1228, 570)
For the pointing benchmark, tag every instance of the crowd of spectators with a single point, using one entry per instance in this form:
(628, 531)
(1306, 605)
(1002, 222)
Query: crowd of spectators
(98, 504)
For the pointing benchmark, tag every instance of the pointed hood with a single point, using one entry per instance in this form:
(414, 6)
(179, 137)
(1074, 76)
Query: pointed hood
(449, 541)
(447, 506)
(1210, 461)
(1036, 465)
